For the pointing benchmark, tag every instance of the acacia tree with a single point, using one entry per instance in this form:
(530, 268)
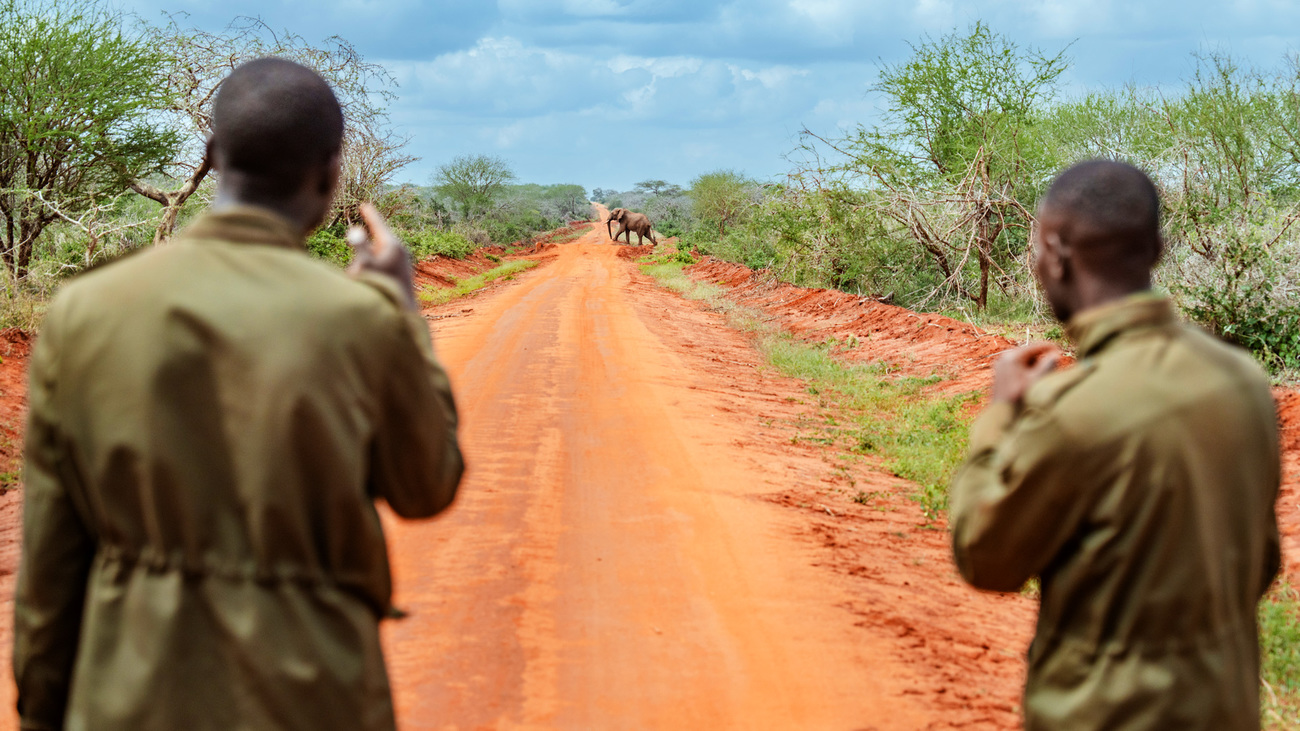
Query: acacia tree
(198, 61)
(76, 117)
(473, 182)
(657, 187)
(955, 165)
(570, 201)
(722, 197)
(372, 155)
(1231, 187)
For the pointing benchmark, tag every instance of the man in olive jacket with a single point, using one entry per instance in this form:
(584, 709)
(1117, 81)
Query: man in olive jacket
(1138, 485)
(210, 424)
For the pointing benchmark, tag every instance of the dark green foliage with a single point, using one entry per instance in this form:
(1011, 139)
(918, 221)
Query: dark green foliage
(430, 242)
(329, 244)
(78, 102)
(1252, 320)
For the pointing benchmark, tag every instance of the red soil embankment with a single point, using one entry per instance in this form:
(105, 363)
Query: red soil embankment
(911, 343)
(442, 272)
(922, 344)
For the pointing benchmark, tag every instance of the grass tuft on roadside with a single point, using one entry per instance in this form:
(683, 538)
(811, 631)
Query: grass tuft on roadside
(1279, 641)
(430, 296)
(22, 308)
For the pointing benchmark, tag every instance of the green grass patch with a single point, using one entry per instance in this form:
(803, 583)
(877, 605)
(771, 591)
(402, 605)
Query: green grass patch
(920, 436)
(22, 308)
(1279, 644)
(435, 296)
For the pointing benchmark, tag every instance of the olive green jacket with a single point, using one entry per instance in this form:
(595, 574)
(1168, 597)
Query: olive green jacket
(210, 424)
(1138, 485)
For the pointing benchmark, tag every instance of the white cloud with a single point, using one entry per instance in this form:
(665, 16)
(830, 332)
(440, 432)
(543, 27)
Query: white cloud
(665, 67)
(1069, 18)
(937, 14)
(770, 77)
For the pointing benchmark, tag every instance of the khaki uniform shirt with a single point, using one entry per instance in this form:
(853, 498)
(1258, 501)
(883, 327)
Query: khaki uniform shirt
(210, 423)
(1139, 486)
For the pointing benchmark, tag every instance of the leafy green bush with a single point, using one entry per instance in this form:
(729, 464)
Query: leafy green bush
(751, 248)
(329, 244)
(431, 242)
(1271, 333)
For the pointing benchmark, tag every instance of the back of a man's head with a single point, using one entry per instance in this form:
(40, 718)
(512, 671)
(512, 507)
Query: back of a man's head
(1110, 209)
(273, 121)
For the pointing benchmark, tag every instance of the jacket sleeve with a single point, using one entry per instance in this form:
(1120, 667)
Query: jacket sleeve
(1020, 495)
(58, 549)
(416, 463)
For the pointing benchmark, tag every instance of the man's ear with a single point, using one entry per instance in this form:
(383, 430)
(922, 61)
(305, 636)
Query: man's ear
(210, 151)
(329, 179)
(1058, 263)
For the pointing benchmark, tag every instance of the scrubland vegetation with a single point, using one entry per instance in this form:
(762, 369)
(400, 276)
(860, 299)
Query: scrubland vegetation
(103, 124)
(932, 207)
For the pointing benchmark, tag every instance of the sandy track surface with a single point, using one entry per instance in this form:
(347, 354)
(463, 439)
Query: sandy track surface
(612, 561)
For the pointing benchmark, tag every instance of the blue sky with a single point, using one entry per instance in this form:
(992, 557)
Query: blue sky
(605, 93)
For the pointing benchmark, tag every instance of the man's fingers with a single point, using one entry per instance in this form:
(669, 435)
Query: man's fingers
(1034, 351)
(1045, 364)
(380, 233)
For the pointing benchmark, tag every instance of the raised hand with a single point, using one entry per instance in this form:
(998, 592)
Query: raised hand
(1016, 370)
(377, 249)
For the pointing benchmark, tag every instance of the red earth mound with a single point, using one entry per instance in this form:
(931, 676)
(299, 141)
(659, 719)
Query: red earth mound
(911, 343)
(439, 271)
(533, 252)
(635, 252)
(15, 347)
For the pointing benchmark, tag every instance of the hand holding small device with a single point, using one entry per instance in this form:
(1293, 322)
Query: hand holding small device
(375, 248)
(1016, 370)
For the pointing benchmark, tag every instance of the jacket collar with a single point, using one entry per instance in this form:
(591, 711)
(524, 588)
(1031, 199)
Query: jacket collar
(245, 225)
(1092, 329)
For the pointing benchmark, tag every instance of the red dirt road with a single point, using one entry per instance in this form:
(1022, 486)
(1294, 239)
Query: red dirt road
(611, 562)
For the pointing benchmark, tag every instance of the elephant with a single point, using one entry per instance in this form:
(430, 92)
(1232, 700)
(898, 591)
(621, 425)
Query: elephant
(630, 222)
(615, 215)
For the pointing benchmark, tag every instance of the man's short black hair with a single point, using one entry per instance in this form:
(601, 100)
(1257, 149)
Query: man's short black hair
(1108, 199)
(274, 120)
